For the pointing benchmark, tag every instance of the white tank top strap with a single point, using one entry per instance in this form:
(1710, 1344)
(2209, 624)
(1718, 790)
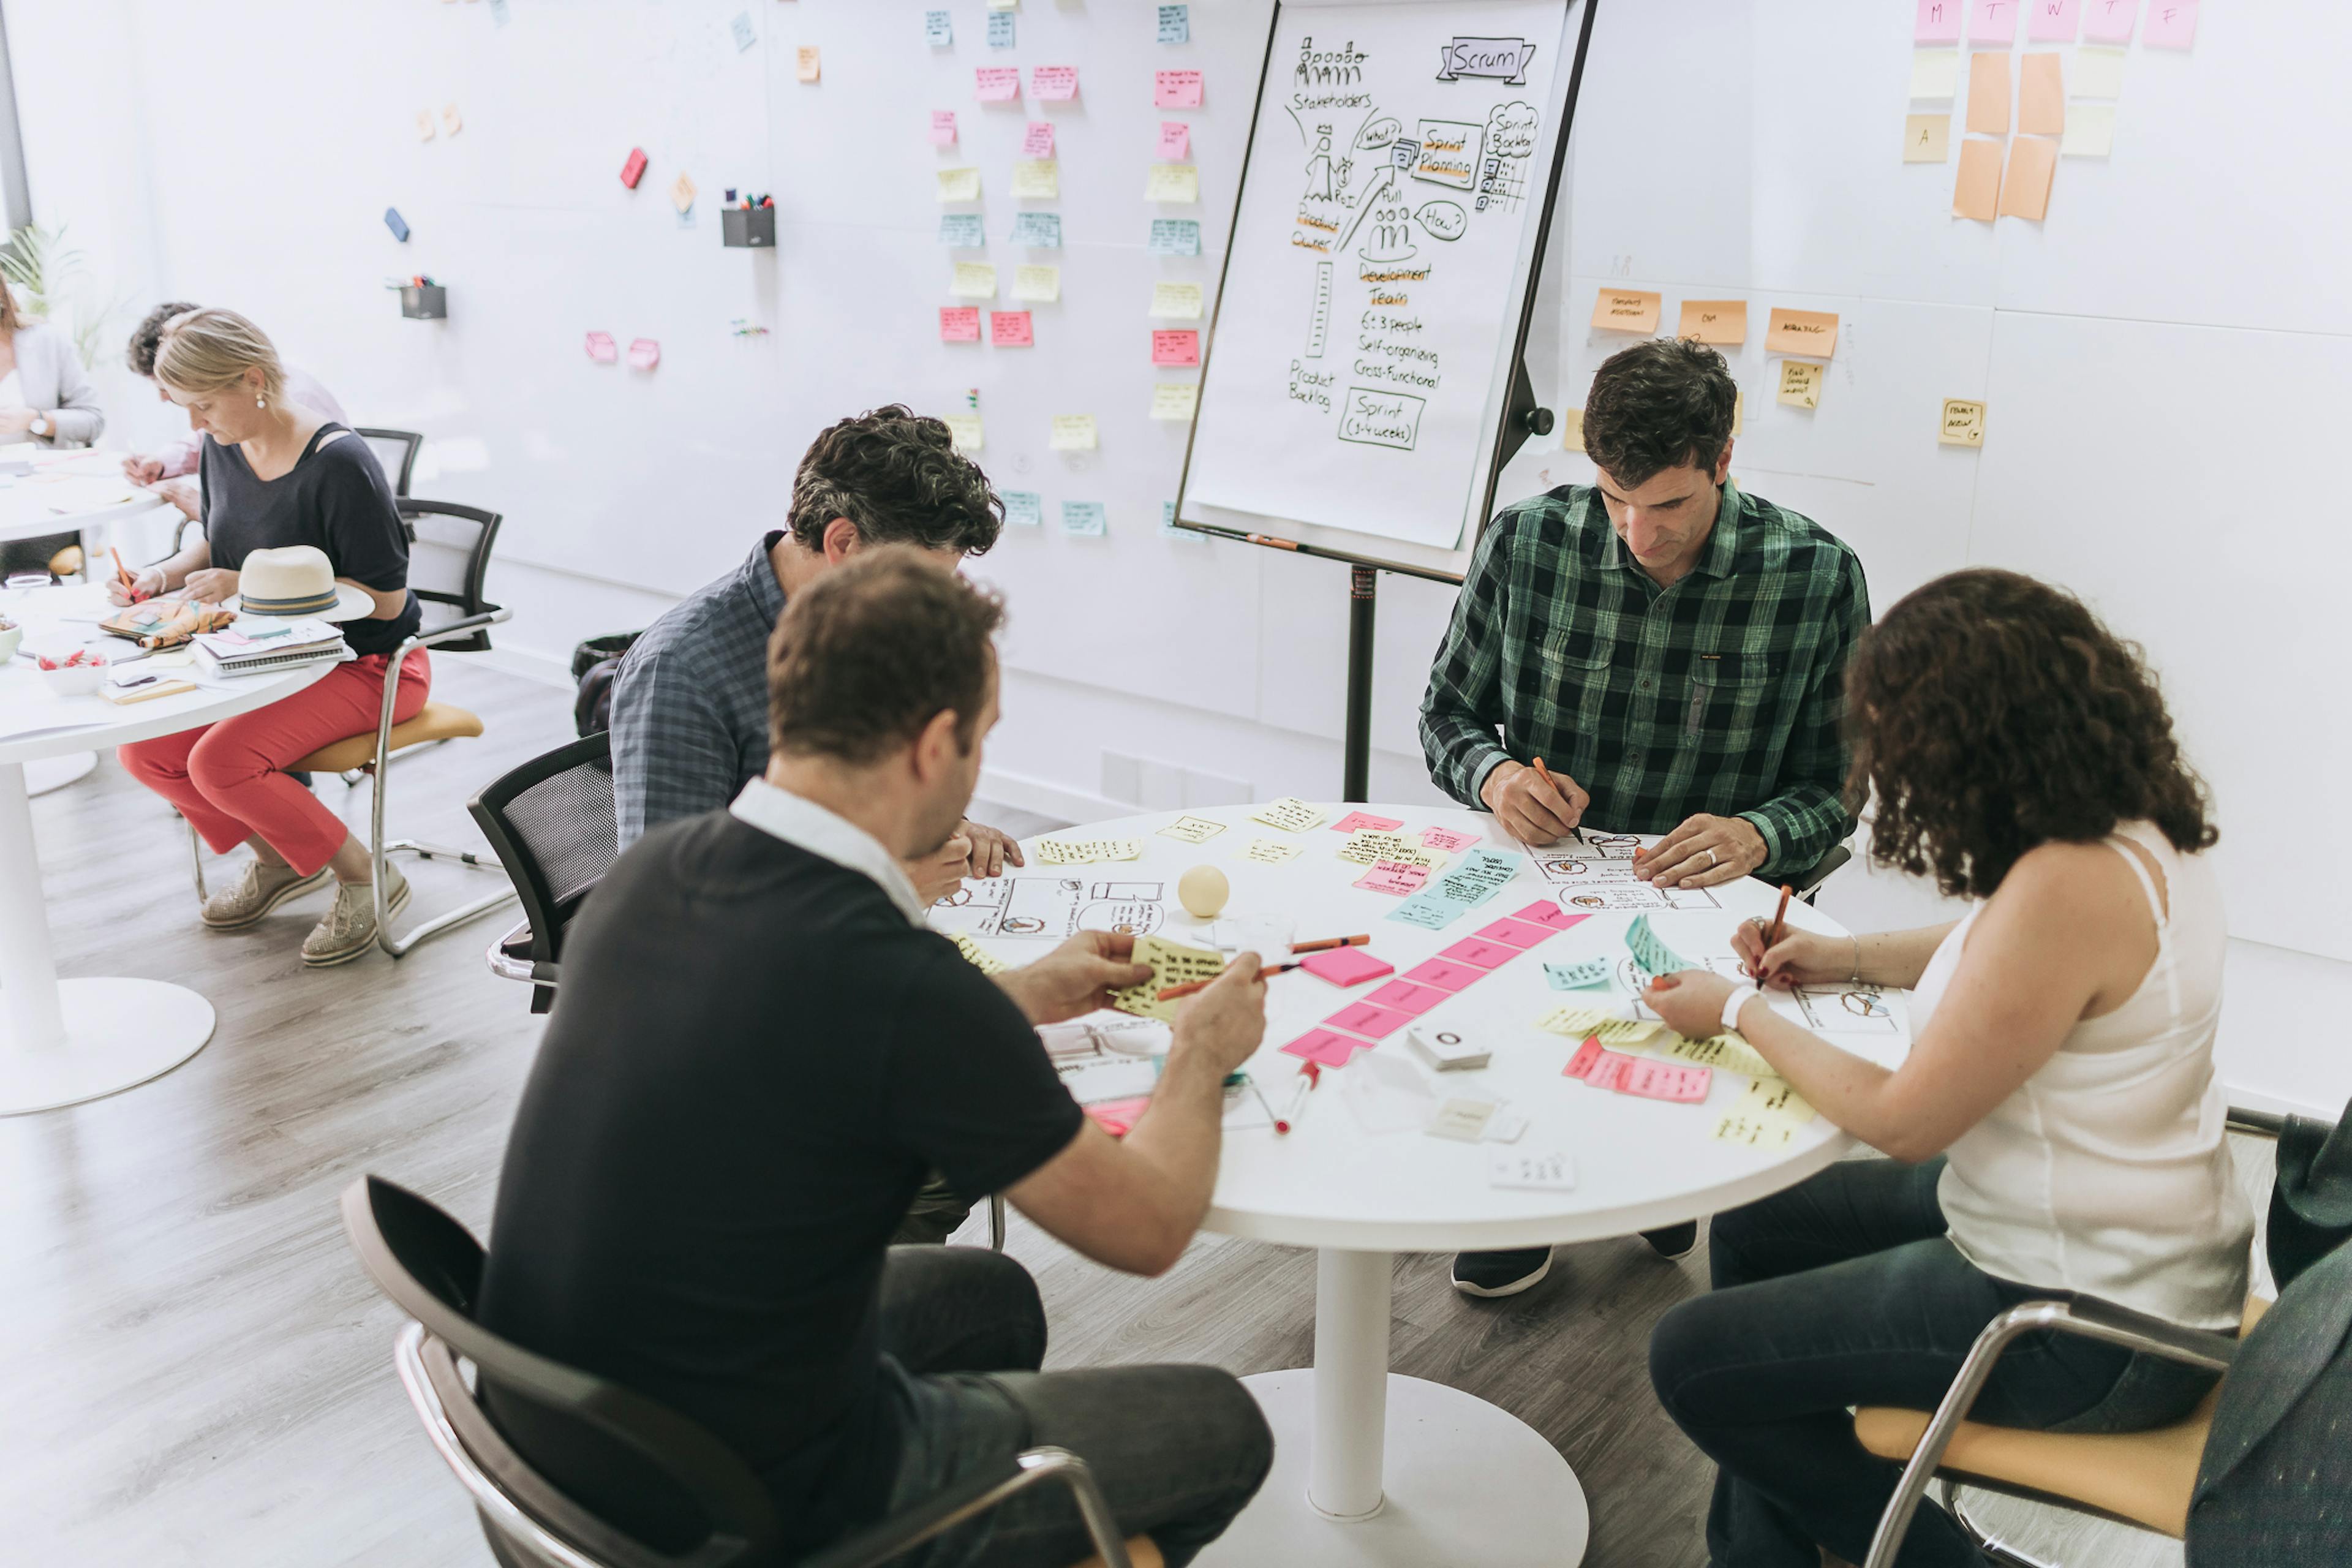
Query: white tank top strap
(2123, 844)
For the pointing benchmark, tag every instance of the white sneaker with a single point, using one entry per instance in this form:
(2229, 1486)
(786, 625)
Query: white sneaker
(348, 929)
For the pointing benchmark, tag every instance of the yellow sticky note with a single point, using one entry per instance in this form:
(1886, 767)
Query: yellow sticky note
(1289, 814)
(1800, 384)
(1175, 400)
(1266, 852)
(1769, 1115)
(1037, 283)
(1926, 137)
(1626, 311)
(1193, 829)
(1714, 320)
(2098, 73)
(958, 185)
(973, 281)
(1730, 1052)
(2090, 130)
(979, 957)
(966, 431)
(1935, 73)
(1176, 301)
(1173, 964)
(805, 61)
(681, 193)
(1738, 409)
(1571, 429)
(1073, 433)
(1173, 183)
(1963, 425)
(1037, 177)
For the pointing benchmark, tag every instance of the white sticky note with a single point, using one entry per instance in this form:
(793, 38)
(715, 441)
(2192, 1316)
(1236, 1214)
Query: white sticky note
(2098, 72)
(1462, 1120)
(1935, 73)
(1550, 1171)
(2090, 130)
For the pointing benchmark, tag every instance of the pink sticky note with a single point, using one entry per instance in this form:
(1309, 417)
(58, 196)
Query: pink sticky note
(643, 353)
(1665, 1080)
(1176, 347)
(1609, 1069)
(1580, 1064)
(996, 84)
(1396, 877)
(1347, 966)
(1453, 841)
(1444, 974)
(943, 130)
(1176, 89)
(1175, 141)
(601, 349)
(1937, 22)
(2171, 24)
(1322, 1046)
(1520, 934)
(1053, 84)
(1358, 821)
(1406, 998)
(1037, 142)
(1546, 913)
(1117, 1117)
(2053, 21)
(2108, 21)
(1372, 1023)
(959, 324)
(1009, 329)
(1992, 22)
(1479, 953)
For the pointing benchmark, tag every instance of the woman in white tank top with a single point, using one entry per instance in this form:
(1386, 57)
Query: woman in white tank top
(2056, 1130)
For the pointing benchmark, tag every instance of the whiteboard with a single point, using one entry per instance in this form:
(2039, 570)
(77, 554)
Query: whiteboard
(1361, 359)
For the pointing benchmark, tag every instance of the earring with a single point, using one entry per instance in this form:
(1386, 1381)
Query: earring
(259, 403)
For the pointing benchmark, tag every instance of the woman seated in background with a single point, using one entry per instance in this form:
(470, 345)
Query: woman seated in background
(45, 396)
(274, 474)
(2056, 1130)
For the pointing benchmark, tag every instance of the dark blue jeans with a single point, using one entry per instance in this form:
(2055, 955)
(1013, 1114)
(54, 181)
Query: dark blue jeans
(1842, 1291)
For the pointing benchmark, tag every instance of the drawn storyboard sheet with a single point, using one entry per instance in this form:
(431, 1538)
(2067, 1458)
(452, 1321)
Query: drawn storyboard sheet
(1361, 353)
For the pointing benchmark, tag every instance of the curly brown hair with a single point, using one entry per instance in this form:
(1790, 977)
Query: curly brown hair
(1990, 715)
(1665, 403)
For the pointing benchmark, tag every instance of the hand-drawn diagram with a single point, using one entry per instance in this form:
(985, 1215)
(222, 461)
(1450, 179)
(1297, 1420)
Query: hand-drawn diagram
(1608, 897)
(1577, 866)
(1848, 1009)
(1504, 59)
(1051, 909)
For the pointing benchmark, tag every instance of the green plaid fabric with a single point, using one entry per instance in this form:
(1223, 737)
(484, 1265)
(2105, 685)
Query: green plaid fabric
(1722, 694)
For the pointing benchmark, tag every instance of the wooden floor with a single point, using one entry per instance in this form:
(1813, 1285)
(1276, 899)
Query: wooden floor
(196, 1373)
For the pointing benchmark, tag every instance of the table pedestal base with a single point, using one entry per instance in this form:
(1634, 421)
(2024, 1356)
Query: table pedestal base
(1463, 1481)
(118, 1033)
(55, 773)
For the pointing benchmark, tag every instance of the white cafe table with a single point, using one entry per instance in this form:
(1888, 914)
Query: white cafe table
(1372, 1467)
(64, 1041)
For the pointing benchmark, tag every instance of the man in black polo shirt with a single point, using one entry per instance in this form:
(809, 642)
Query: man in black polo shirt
(757, 1054)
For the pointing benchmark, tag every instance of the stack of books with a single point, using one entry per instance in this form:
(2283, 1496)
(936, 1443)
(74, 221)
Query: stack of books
(256, 646)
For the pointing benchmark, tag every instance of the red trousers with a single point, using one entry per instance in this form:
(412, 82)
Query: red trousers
(230, 780)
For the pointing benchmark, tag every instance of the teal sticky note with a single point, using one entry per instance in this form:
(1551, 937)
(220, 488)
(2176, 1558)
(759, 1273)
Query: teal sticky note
(1085, 516)
(1175, 237)
(1022, 509)
(1577, 977)
(1428, 912)
(1168, 525)
(939, 29)
(1175, 24)
(1000, 29)
(1041, 230)
(744, 34)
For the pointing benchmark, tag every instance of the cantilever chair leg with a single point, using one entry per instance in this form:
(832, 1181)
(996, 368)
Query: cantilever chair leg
(996, 1222)
(1996, 1551)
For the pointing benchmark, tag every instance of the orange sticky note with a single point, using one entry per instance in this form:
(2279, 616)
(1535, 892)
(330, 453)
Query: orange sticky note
(1714, 320)
(1627, 311)
(1977, 192)
(1812, 334)
(1989, 93)
(2025, 192)
(2041, 97)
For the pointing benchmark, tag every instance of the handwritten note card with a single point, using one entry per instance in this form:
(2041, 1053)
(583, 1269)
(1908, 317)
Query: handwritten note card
(958, 185)
(806, 64)
(1037, 142)
(1975, 193)
(1554, 1171)
(944, 128)
(1175, 141)
(1085, 518)
(1176, 301)
(973, 281)
(1000, 29)
(1768, 1116)
(1813, 333)
(996, 84)
(2040, 96)
(1193, 829)
(1176, 89)
(1022, 509)
(1175, 237)
(965, 431)
(1714, 320)
(1037, 179)
(1579, 976)
(939, 29)
(1038, 283)
(1172, 183)
(1175, 24)
(1963, 423)
(1800, 384)
(1053, 84)
(1073, 433)
(1266, 852)
(1175, 400)
(962, 231)
(1009, 329)
(1926, 137)
(1289, 814)
(1038, 231)
(1626, 311)
(1173, 964)
(1992, 22)
(1937, 22)
(1175, 347)
(1394, 877)
(960, 324)
(1451, 840)
(2053, 21)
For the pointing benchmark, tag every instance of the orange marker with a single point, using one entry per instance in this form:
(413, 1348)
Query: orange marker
(1543, 774)
(1324, 944)
(1779, 926)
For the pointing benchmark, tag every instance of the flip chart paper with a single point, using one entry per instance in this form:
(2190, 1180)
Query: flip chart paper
(1977, 192)
(2026, 189)
(2171, 24)
(806, 64)
(1053, 84)
(1289, 814)
(1266, 852)
(2090, 130)
(2053, 21)
(1964, 424)
(939, 29)
(958, 185)
(1176, 301)
(1039, 283)
(2108, 21)
(1176, 348)
(1000, 29)
(1345, 966)
(1175, 237)
(1714, 320)
(2040, 96)
(1992, 22)
(1176, 89)
(1989, 93)
(996, 84)
(960, 324)
(1037, 142)
(1038, 231)
(1022, 509)
(1800, 384)
(1626, 311)
(973, 281)
(944, 128)
(1813, 333)
(962, 231)
(1009, 329)
(1935, 73)
(2098, 73)
(1073, 433)
(1086, 518)
(602, 350)
(1928, 139)
(964, 431)
(1359, 821)
(1175, 24)
(1172, 183)
(1175, 141)
(1937, 22)
(1037, 179)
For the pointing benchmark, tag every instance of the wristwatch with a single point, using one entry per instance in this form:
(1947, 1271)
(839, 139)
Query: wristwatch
(40, 425)
(1739, 998)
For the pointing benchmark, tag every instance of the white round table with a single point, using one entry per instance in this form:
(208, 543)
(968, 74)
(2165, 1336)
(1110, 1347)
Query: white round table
(1373, 1467)
(64, 1041)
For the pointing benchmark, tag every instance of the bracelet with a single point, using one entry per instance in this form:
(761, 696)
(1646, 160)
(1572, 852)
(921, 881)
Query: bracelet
(1857, 959)
(1740, 996)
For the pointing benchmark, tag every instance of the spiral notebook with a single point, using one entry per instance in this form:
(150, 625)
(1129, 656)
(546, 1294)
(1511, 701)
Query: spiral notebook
(244, 651)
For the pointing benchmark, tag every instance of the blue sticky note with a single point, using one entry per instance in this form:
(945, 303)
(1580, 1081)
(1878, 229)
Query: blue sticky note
(1175, 24)
(1481, 875)
(1040, 230)
(939, 29)
(398, 225)
(499, 13)
(1085, 516)
(1168, 525)
(1175, 237)
(741, 28)
(1428, 912)
(1022, 509)
(1000, 29)
(962, 230)
(1577, 977)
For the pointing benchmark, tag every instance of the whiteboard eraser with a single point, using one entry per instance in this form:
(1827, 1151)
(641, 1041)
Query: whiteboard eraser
(1446, 1049)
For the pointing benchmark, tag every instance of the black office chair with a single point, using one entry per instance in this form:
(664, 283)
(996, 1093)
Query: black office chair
(551, 823)
(1806, 883)
(448, 563)
(690, 1501)
(396, 451)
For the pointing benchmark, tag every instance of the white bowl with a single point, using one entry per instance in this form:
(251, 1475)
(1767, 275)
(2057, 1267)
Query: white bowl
(10, 637)
(80, 680)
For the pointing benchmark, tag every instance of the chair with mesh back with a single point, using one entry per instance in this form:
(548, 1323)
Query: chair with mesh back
(551, 823)
(396, 453)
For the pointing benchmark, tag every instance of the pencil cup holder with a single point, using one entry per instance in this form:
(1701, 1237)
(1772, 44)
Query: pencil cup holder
(425, 302)
(747, 229)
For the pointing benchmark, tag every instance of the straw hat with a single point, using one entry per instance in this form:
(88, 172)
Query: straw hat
(297, 582)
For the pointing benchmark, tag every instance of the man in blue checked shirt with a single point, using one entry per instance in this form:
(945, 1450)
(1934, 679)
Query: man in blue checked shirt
(1674, 650)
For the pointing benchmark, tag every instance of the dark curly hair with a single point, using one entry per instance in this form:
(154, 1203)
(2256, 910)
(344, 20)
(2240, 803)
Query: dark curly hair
(1990, 715)
(1665, 403)
(897, 475)
(147, 336)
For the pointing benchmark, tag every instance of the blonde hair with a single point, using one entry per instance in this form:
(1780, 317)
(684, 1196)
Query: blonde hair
(210, 350)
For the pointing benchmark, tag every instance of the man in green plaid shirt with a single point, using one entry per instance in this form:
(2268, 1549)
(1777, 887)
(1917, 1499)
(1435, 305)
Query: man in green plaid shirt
(1673, 649)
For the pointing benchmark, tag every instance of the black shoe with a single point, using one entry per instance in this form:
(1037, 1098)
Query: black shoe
(1500, 1273)
(1675, 1241)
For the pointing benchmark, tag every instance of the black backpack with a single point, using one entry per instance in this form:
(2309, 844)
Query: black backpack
(595, 665)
